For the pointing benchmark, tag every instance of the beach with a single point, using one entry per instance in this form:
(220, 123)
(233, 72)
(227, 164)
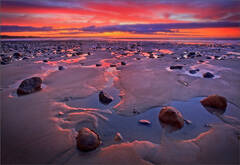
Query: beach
(140, 77)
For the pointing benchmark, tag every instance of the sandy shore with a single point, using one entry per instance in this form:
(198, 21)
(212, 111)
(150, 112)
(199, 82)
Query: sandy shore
(41, 127)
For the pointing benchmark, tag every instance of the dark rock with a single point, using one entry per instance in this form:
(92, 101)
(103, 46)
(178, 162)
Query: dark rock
(208, 75)
(176, 67)
(6, 60)
(200, 61)
(25, 58)
(29, 86)
(98, 64)
(60, 68)
(87, 140)
(138, 58)
(208, 57)
(104, 98)
(112, 65)
(123, 63)
(194, 71)
(171, 118)
(45, 60)
(17, 55)
(89, 53)
(215, 104)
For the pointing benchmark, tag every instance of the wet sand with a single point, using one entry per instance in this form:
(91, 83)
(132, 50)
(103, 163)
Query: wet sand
(41, 127)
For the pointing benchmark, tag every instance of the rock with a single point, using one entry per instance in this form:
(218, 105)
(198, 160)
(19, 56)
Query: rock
(215, 104)
(208, 75)
(87, 140)
(188, 122)
(176, 67)
(29, 86)
(123, 63)
(104, 98)
(60, 68)
(25, 58)
(151, 55)
(118, 137)
(145, 122)
(208, 57)
(191, 54)
(6, 60)
(89, 53)
(193, 71)
(45, 60)
(17, 55)
(170, 117)
(113, 65)
(138, 58)
(98, 65)
(60, 113)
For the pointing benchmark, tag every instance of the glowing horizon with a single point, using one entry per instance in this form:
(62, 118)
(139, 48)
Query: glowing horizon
(124, 19)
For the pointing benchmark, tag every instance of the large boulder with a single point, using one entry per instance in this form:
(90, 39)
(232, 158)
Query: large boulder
(105, 98)
(29, 86)
(171, 118)
(87, 140)
(215, 104)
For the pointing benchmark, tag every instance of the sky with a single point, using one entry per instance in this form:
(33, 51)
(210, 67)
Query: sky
(121, 18)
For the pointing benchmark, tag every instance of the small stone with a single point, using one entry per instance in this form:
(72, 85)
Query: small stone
(98, 65)
(118, 137)
(60, 68)
(113, 65)
(170, 117)
(45, 60)
(215, 104)
(123, 63)
(145, 122)
(208, 57)
(60, 113)
(176, 67)
(87, 140)
(194, 71)
(207, 125)
(208, 75)
(188, 122)
(29, 86)
(105, 98)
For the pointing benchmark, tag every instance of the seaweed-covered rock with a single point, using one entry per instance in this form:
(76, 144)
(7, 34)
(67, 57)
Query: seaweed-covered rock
(215, 104)
(29, 86)
(170, 117)
(87, 140)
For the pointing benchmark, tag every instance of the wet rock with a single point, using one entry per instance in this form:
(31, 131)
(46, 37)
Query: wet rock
(144, 122)
(118, 137)
(215, 104)
(176, 67)
(87, 140)
(105, 98)
(60, 68)
(123, 63)
(193, 71)
(17, 55)
(208, 75)
(29, 86)
(171, 118)
(98, 65)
